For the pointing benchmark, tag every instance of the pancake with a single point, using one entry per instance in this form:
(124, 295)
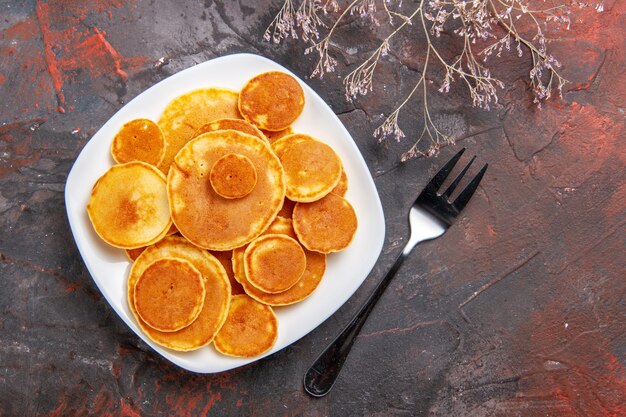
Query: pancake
(342, 187)
(274, 263)
(233, 124)
(280, 225)
(202, 331)
(327, 225)
(128, 206)
(169, 294)
(312, 170)
(226, 259)
(250, 329)
(209, 220)
(271, 101)
(287, 209)
(312, 276)
(281, 145)
(139, 140)
(274, 136)
(233, 176)
(187, 113)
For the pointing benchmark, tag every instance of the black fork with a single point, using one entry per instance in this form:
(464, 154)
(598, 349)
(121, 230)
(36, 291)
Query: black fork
(434, 214)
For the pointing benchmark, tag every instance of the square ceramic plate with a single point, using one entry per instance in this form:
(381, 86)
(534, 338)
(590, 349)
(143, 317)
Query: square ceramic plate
(346, 270)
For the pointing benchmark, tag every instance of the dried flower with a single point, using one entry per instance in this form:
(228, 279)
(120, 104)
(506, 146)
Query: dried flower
(492, 24)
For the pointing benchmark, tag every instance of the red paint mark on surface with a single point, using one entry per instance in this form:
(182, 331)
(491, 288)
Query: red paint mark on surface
(55, 47)
(2, 79)
(127, 409)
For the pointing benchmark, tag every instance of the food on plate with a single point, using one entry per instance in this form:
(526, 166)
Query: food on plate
(139, 140)
(326, 225)
(133, 254)
(169, 294)
(209, 220)
(233, 176)
(274, 136)
(251, 328)
(281, 145)
(217, 293)
(225, 258)
(271, 101)
(187, 113)
(274, 263)
(232, 124)
(128, 206)
(312, 170)
(308, 282)
(342, 187)
(257, 206)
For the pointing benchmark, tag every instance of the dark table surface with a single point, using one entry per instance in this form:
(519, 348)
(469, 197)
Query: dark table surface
(518, 310)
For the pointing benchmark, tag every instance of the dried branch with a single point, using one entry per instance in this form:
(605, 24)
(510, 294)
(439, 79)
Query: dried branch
(487, 28)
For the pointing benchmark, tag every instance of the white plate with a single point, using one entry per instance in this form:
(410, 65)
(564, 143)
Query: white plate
(346, 270)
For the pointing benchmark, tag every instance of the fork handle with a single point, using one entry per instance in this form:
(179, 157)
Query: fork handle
(321, 376)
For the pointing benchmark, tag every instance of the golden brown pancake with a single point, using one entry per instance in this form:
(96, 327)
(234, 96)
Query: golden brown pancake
(169, 294)
(128, 206)
(187, 113)
(250, 329)
(312, 170)
(341, 188)
(312, 276)
(287, 208)
(272, 100)
(327, 225)
(281, 145)
(233, 176)
(139, 140)
(226, 259)
(209, 220)
(274, 136)
(233, 124)
(274, 263)
(213, 314)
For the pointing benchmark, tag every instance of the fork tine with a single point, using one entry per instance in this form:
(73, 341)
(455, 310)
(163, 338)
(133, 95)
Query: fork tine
(443, 173)
(456, 181)
(468, 192)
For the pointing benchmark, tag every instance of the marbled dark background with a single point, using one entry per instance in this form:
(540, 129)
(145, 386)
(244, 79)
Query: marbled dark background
(518, 310)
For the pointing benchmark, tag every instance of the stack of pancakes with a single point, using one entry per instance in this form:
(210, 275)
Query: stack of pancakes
(225, 213)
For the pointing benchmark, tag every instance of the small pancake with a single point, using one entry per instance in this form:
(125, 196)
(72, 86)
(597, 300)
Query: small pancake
(205, 218)
(312, 170)
(128, 206)
(233, 176)
(233, 124)
(327, 225)
(274, 136)
(169, 294)
(274, 263)
(187, 113)
(202, 331)
(281, 145)
(272, 100)
(341, 188)
(250, 329)
(226, 259)
(139, 140)
(287, 209)
(312, 276)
